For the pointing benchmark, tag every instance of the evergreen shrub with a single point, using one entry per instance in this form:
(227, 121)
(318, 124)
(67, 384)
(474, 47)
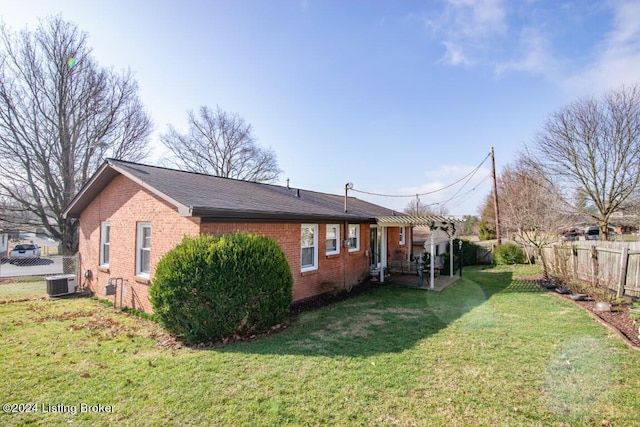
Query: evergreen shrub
(212, 287)
(509, 253)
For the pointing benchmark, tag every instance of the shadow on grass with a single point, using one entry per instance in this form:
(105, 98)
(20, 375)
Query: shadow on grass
(389, 319)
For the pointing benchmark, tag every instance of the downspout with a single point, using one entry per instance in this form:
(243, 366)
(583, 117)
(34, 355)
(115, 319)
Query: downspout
(345, 253)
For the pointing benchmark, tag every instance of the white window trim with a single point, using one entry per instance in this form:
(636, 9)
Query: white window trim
(139, 249)
(402, 235)
(103, 227)
(315, 248)
(357, 247)
(337, 250)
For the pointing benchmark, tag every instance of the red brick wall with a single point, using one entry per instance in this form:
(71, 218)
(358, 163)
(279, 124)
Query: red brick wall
(396, 251)
(334, 271)
(124, 203)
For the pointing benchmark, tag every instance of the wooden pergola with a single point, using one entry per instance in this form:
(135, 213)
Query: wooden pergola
(434, 222)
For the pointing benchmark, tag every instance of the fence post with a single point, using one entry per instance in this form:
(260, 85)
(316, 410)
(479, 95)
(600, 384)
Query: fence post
(593, 255)
(624, 259)
(574, 261)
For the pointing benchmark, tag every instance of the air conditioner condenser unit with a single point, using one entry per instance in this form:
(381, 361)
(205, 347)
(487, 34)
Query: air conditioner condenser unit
(64, 284)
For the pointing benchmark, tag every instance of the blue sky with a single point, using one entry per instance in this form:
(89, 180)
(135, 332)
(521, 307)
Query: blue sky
(397, 97)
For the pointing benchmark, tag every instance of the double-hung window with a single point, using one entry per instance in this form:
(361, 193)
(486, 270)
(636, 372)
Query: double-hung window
(333, 239)
(402, 237)
(354, 237)
(309, 247)
(105, 231)
(143, 251)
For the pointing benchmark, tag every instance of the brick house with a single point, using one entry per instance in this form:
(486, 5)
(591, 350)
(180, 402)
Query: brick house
(132, 214)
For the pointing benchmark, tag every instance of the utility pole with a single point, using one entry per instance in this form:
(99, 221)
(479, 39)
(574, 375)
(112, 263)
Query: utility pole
(496, 206)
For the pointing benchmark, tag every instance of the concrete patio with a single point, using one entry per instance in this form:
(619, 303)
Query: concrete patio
(412, 281)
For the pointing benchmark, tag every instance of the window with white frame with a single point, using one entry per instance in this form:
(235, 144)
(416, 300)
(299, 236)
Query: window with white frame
(333, 239)
(143, 253)
(402, 236)
(354, 237)
(105, 237)
(309, 247)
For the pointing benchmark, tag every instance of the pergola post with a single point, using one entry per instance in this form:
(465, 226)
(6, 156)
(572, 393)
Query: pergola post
(451, 256)
(383, 251)
(432, 277)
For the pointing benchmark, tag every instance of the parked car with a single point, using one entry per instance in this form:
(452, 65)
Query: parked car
(570, 236)
(24, 251)
(591, 233)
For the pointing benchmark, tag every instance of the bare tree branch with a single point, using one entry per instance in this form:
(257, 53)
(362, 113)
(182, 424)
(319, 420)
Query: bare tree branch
(591, 148)
(60, 116)
(531, 208)
(222, 144)
(416, 207)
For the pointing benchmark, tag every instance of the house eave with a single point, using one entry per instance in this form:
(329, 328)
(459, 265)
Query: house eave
(219, 215)
(103, 176)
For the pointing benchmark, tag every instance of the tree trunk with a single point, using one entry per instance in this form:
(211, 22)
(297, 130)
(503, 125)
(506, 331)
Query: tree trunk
(543, 262)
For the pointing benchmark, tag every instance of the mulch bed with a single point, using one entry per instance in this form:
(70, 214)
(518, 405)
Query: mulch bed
(618, 319)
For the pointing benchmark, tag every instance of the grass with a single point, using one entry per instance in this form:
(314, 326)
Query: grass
(22, 288)
(493, 350)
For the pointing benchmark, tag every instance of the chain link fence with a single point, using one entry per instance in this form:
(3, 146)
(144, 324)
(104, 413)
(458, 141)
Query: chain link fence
(38, 266)
(27, 277)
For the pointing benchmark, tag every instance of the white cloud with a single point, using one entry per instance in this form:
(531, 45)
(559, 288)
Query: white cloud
(455, 55)
(476, 19)
(533, 55)
(617, 59)
(456, 187)
(468, 29)
(462, 198)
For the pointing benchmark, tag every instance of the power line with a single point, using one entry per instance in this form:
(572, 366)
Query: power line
(468, 192)
(469, 175)
(463, 185)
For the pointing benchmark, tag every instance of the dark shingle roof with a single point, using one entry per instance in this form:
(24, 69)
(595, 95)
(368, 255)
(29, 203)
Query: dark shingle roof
(213, 197)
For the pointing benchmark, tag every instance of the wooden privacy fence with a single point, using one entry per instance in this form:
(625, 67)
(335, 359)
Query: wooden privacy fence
(615, 265)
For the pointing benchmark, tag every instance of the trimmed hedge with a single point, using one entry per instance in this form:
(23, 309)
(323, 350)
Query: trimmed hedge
(212, 287)
(509, 253)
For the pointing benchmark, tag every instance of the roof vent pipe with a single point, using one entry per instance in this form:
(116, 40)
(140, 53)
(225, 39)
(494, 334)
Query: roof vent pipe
(348, 186)
(298, 192)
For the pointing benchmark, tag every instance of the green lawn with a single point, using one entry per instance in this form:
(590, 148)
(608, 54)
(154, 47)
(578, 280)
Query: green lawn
(23, 288)
(493, 350)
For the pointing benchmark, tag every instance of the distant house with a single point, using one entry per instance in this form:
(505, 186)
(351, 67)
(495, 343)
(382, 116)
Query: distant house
(422, 241)
(132, 214)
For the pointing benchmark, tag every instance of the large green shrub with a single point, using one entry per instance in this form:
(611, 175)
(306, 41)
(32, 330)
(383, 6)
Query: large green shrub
(509, 253)
(211, 287)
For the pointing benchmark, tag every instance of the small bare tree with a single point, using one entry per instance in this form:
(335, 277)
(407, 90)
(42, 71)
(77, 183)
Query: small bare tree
(592, 148)
(530, 207)
(222, 144)
(416, 207)
(60, 116)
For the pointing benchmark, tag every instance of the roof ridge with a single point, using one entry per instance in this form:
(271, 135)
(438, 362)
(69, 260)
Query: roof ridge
(114, 160)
